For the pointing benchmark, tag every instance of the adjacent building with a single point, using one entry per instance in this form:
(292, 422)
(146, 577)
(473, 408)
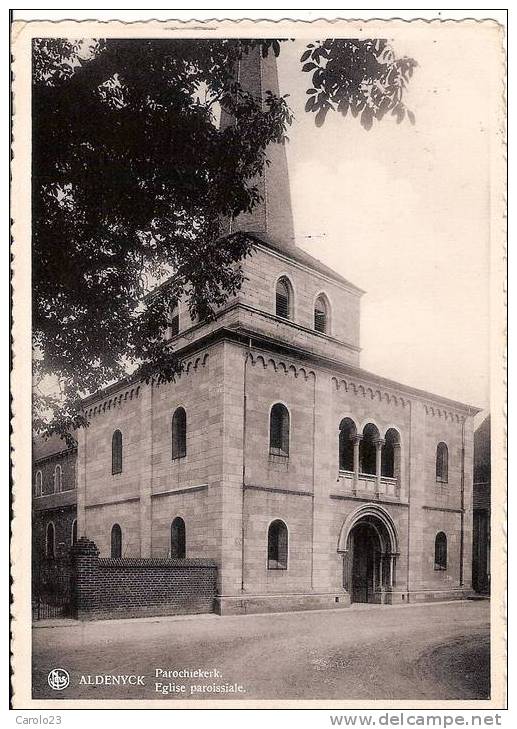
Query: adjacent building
(54, 498)
(481, 508)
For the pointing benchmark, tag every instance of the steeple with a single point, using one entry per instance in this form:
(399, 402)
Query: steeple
(273, 215)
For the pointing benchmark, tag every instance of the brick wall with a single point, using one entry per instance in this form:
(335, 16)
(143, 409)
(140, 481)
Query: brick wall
(62, 518)
(107, 588)
(67, 461)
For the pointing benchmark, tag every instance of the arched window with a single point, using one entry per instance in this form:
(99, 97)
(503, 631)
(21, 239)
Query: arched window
(279, 430)
(368, 450)
(74, 532)
(116, 452)
(442, 463)
(277, 546)
(174, 322)
(440, 552)
(347, 431)
(179, 433)
(178, 538)
(284, 298)
(38, 488)
(50, 541)
(116, 541)
(321, 315)
(390, 462)
(58, 479)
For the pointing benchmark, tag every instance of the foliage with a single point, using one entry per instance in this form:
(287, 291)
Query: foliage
(363, 77)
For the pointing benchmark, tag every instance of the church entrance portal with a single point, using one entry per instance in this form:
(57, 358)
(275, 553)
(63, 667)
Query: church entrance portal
(368, 543)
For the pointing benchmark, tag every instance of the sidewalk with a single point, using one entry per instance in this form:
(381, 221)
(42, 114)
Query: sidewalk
(354, 608)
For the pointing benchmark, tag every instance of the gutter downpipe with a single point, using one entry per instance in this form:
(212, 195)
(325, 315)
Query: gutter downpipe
(313, 478)
(244, 413)
(408, 577)
(462, 513)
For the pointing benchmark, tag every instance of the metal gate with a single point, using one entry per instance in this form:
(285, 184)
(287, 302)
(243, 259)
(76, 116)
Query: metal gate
(51, 588)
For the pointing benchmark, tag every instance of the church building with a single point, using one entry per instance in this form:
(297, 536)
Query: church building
(311, 482)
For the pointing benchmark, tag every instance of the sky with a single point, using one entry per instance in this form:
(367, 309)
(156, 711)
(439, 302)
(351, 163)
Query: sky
(403, 212)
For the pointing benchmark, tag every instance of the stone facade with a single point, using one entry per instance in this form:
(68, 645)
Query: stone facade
(229, 486)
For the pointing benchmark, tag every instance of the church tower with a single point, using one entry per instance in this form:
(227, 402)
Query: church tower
(272, 216)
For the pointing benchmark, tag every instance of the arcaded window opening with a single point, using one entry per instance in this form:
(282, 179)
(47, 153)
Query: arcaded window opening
(390, 461)
(347, 432)
(368, 450)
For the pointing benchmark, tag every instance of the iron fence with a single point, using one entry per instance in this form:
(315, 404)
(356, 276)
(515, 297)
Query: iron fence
(51, 588)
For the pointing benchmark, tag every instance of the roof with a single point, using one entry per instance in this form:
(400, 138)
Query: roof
(45, 447)
(301, 256)
(247, 336)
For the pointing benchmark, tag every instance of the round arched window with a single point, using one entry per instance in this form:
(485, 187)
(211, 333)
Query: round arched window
(116, 541)
(284, 299)
(277, 545)
(440, 551)
(279, 430)
(321, 315)
(178, 538)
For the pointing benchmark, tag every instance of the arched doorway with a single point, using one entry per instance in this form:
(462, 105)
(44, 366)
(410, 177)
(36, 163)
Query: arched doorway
(368, 542)
(364, 555)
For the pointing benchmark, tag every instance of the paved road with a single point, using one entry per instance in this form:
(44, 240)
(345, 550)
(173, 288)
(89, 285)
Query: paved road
(438, 651)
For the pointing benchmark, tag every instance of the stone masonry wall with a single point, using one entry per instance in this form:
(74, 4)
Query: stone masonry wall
(437, 506)
(263, 269)
(228, 487)
(153, 488)
(305, 490)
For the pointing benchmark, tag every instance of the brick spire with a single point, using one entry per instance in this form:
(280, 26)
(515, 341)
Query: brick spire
(273, 215)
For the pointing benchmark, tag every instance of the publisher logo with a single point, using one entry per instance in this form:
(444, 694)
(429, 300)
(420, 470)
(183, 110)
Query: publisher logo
(58, 679)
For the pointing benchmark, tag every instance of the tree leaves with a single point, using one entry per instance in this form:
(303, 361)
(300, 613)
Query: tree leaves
(367, 119)
(132, 180)
(363, 76)
(320, 116)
